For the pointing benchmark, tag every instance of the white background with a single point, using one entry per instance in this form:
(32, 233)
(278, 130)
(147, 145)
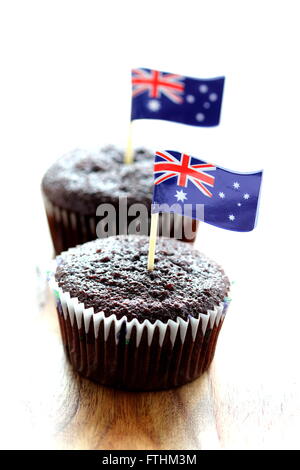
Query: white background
(65, 83)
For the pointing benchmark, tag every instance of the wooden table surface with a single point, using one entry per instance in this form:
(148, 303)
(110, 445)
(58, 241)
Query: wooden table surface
(247, 399)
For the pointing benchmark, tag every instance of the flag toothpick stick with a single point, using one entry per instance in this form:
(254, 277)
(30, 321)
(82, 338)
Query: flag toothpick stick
(152, 241)
(129, 153)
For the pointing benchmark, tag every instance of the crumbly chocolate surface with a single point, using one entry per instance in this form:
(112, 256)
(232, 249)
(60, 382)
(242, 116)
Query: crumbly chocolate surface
(111, 275)
(81, 180)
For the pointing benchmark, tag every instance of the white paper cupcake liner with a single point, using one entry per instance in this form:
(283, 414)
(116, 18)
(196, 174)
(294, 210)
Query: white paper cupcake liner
(132, 355)
(69, 228)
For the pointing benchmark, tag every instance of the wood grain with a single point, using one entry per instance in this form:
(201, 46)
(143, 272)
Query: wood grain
(225, 408)
(249, 398)
(96, 417)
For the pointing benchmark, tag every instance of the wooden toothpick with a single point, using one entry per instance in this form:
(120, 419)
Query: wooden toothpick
(152, 240)
(129, 153)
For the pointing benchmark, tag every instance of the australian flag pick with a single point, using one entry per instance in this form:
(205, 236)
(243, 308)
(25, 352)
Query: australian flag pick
(170, 97)
(185, 184)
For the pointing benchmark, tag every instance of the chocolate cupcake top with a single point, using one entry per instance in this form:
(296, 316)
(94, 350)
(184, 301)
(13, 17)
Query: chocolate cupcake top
(81, 180)
(111, 276)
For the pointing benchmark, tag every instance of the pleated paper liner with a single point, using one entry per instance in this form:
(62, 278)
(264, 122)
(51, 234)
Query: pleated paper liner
(69, 228)
(136, 356)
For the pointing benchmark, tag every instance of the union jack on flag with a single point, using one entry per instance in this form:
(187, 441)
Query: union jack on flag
(230, 199)
(184, 171)
(172, 97)
(156, 83)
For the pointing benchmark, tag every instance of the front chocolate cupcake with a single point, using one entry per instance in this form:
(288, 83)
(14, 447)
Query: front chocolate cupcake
(135, 329)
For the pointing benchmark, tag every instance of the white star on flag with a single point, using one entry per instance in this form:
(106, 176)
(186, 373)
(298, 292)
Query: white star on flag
(239, 204)
(222, 195)
(154, 105)
(231, 217)
(180, 195)
(246, 196)
(236, 185)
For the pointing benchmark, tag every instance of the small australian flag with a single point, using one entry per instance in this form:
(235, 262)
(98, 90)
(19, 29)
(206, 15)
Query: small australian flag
(170, 97)
(183, 183)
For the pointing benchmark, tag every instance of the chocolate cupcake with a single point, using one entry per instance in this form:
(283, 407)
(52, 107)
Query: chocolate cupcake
(80, 181)
(131, 328)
